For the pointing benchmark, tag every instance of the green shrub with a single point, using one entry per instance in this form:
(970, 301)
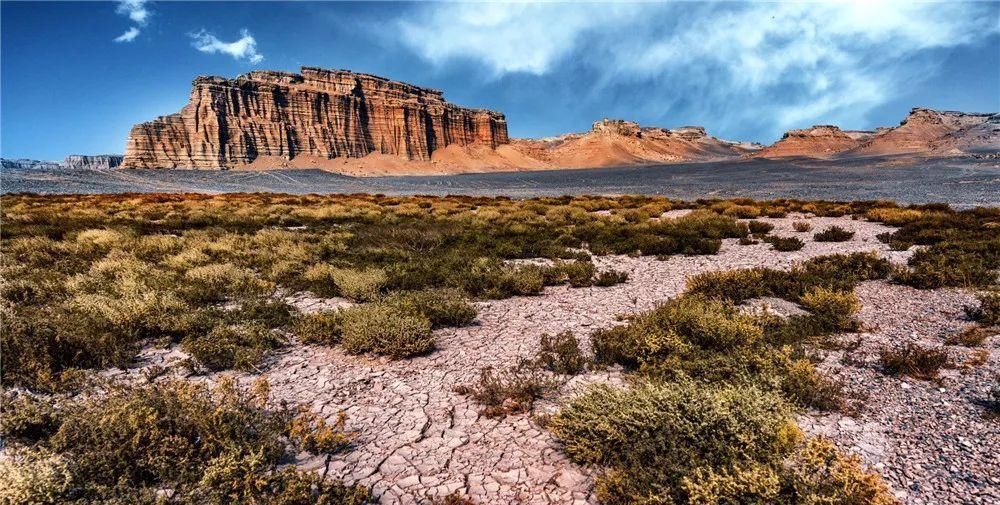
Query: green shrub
(805, 386)
(561, 353)
(759, 227)
(508, 391)
(653, 436)
(442, 307)
(387, 330)
(320, 327)
(610, 278)
(988, 311)
(833, 310)
(818, 473)
(784, 244)
(207, 446)
(311, 433)
(359, 285)
(225, 347)
(914, 360)
(833, 234)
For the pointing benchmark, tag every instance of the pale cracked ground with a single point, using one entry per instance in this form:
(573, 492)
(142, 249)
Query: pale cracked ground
(417, 439)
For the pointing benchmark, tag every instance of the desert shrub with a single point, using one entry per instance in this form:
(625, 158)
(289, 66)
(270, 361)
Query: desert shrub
(831, 309)
(610, 278)
(224, 347)
(759, 227)
(742, 211)
(208, 446)
(35, 477)
(784, 244)
(988, 311)
(894, 216)
(27, 418)
(508, 391)
(387, 330)
(311, 433)
(561, 353)
(320, 327)
(913, 360)
(216, 282)
(678, 327)
(833, 234)
(801, 226)
(818, 473)
(579, 274)
(973, 336)
(805, 386)
(747, 241)
(442, 307)
(653, 436)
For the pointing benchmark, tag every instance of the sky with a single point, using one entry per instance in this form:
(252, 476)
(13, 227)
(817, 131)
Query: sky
(74, 77)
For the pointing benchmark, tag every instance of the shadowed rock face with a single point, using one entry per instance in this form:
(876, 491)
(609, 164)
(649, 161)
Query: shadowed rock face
(319, 113)
(97, 161)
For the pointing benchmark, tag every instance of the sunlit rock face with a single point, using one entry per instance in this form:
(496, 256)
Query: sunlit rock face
(318, 113)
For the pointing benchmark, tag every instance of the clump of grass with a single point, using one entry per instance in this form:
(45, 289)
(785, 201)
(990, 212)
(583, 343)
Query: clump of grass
(225, 347)
(988, 311)
(387, 330)
(833, 234)
(972, 336)
(610, 278)
(914, 360)
(442, 307)
(510, 390)
(801, 226)
(560, 353)
(320, 327)
(759, 227)
(127, 444)
(784, 244)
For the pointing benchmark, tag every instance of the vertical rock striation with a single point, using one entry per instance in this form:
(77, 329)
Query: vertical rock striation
(318, 114)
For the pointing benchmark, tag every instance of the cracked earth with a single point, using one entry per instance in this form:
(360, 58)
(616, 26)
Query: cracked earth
(417, 439)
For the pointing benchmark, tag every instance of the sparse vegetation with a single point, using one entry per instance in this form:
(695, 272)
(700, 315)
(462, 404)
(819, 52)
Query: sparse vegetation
(972, 336)
(784, 244)
(759, 227)
(610, 278)
(833, 234)
(988, 311)
(801, 226)
(510, 390)
(561, 353)
(206, 446)
(914, 360)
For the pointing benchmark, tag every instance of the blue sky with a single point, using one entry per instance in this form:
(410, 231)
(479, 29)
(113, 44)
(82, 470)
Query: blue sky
(76, 76)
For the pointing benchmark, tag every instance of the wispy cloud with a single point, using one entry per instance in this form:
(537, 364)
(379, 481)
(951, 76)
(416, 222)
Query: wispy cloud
(128, 36)
(243, 48)
(794, 63)
(136, 11)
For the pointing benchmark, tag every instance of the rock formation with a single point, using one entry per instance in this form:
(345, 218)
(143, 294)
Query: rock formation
(268, 117)
(24, 163)
(819, 141)
(926, 131)
(94, 162)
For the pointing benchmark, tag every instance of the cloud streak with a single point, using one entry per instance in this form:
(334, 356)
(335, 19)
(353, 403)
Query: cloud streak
(136, 11)
(244, 48)
(776, 66)
(128, 36)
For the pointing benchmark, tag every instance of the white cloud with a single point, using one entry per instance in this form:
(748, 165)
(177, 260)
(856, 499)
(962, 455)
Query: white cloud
(794, 62)
(128, 36)
(135, 10)
(244, 48)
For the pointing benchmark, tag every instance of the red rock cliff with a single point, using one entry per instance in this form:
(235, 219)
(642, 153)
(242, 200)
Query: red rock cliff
(319, 113)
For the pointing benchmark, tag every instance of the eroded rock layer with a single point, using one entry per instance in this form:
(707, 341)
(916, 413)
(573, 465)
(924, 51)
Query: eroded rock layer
(318, 114)
(819, 141)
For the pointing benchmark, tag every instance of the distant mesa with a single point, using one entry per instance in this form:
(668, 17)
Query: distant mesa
(924, 132)
(73, 161)
(361, 124)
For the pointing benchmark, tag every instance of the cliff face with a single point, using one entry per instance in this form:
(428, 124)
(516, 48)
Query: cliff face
(319, 114)
(93, 162)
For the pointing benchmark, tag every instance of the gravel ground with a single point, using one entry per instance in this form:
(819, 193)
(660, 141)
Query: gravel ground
(416, 438)
(962, 182)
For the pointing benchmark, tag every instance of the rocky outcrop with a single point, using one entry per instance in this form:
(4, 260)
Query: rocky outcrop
(927, 131)
(24, 163)
(617, 127)
(278, 117)
(819, 141)
(93, 162)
